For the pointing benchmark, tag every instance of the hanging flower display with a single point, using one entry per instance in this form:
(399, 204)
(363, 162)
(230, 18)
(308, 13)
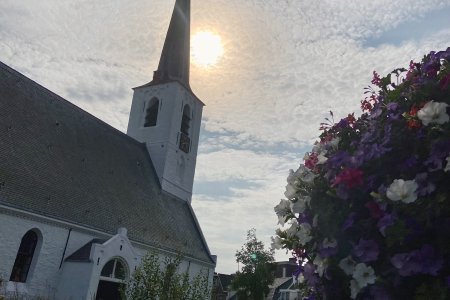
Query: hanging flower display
(367, 215)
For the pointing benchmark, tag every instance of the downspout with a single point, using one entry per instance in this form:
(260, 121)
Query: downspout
(65, 248)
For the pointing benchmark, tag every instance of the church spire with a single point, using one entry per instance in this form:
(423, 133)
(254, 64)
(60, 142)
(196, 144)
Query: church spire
(175, 56)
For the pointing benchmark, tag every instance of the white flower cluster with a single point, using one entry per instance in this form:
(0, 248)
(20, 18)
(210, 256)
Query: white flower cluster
(296, 203)
(362, 275)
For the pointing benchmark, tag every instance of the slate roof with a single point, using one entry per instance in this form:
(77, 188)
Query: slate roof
(59, 161)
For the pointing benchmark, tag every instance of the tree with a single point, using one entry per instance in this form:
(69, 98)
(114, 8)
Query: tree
(253, 281)
(153, 280)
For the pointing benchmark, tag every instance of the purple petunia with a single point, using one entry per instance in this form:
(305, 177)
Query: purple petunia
(366, 251)
(422, 261)
(384, 222)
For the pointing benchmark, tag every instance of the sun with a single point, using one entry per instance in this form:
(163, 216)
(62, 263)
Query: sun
(206, 48)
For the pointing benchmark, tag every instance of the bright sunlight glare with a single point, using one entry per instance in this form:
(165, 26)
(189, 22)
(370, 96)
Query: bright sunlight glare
(206, 48)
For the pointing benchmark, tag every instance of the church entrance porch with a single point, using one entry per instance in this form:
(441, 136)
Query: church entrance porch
(109, 290)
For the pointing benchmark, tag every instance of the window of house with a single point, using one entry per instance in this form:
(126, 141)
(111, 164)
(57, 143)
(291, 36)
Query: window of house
(185, 140)
(151, 113)
(24, 257)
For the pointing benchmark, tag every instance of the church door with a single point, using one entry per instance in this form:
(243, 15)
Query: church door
(112, 280)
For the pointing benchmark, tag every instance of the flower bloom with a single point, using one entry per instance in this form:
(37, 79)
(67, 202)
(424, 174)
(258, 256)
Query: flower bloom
(276, 243)
(354, 289)
(350, 177)
(404, 190)
(347, 265)
(364, 275)
(366, 250)
(447, 167)
(433, 112)
(300, 231)
(321, 265)
(282, 209)
(421, 261)
(299, 205)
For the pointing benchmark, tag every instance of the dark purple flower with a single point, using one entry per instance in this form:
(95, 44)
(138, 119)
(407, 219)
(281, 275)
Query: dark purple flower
(392, 106)
(366, 250)
(349, 221)
(338, 160)
(404, 264)
(379, 293)
(385, 221)
(422, 261)
(425, 187)
(304, 218)
(410, 162)
(429, 261)
(439, 151)
(327, 249)
(309, 272)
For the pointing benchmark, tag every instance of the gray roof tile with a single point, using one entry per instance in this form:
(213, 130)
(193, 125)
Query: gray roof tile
(58, 161)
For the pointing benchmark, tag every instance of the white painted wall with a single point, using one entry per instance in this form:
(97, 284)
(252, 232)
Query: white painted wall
(75, 280)
(43, 274)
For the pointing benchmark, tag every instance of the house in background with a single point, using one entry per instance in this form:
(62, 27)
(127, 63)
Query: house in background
(222, 287)
(284, 285)
(81, 202)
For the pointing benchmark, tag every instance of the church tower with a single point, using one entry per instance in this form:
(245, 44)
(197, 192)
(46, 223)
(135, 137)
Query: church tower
(165, 114)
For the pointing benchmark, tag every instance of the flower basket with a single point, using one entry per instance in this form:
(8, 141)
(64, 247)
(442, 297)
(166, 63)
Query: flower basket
(367, 214)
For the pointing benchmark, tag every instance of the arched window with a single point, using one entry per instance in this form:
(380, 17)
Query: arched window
(114, 269)
(185, 140)
(151, 113)
(24, 257)
(112, 280)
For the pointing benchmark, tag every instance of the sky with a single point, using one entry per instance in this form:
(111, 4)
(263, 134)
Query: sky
(286, 64)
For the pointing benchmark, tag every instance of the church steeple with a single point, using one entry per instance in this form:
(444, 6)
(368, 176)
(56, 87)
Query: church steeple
(175, 57)
(166, 115)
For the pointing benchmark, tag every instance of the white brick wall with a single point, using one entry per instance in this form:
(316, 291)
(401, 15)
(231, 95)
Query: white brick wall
(75, 281)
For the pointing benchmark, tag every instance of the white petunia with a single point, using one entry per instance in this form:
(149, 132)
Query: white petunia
(404, 190)
(433, 112)
(276, 243)
(364, 275)
(334, 143)
(315, 220)
(354, 289)
(447, 167)
(321, 159)
(300, 231)
(299, 206)
(321, 265)
(304, 174)
(304, 233)
(282, 209)
(292, 231)
(347, 265)
(329, 243)
(290, 192)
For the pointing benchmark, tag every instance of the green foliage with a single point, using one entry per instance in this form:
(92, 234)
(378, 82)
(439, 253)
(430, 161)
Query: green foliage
(253, 281)
(153, 280)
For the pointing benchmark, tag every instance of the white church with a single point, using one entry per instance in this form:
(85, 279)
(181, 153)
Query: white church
(81, 202)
